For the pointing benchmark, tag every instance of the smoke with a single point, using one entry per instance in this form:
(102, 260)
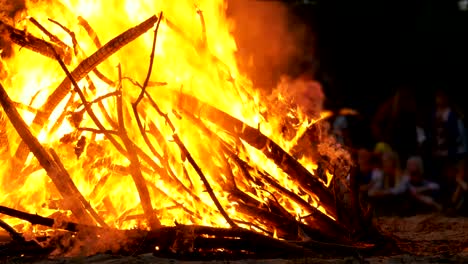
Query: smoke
(295, 97)
(276, 51)
(271, 41)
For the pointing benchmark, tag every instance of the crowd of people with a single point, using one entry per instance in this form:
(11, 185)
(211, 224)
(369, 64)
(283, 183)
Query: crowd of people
(415, 161)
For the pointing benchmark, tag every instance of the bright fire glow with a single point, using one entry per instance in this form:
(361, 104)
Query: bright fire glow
(184, 62)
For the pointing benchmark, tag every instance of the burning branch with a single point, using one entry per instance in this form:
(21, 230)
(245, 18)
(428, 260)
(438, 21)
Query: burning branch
(179, 239)
(287, 207)
(33, 43)
(51, 36)
(44, 221)
(79, 73)
(11, 231)
(60, 177)
(134, 162)
(143, 89)
(192, 162)
(135, 168)
(272, 150)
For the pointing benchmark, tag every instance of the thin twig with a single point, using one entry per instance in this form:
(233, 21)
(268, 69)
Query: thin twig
(90, 31)
(150, 67)
(51, 36)
(192, 162)
(135, 164)
(69, 32)
(143, 89)
(101, 105)
(31, 42)
(97, 131)
(79, 73)
(202, 21)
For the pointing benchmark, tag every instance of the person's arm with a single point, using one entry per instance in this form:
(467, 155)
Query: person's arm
(428, 187)
(401, 188)
(376, 184)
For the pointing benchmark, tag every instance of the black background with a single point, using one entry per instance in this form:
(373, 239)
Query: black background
(366, 49)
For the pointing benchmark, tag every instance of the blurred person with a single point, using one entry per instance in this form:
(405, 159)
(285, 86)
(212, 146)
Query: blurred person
(388, 179)
(369, 171)
(448, 143)
(390, 176)
(417, 193)
(459, 198)
(342, 126)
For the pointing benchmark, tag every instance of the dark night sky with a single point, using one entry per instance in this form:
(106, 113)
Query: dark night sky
(370, 47)
(366, 49)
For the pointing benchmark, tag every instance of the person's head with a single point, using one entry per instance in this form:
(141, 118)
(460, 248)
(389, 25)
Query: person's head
(415, 168)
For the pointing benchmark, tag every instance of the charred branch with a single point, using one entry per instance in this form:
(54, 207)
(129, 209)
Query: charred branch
(79, 73)
(192, 162)
(51, 36)
(135, 167)
(254, 137)
(142, 93)
(24, 39)
(11, 231)
(53, 169)
(45, 221)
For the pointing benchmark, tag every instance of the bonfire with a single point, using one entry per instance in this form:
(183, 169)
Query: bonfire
(128, 127)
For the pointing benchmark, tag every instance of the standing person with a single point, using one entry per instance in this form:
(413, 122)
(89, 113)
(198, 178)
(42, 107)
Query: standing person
(449, 145)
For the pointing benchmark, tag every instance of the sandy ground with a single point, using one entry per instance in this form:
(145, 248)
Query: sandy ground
(425, 239)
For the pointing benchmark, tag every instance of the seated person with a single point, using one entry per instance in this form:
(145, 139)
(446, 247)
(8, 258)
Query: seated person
(369, 171)
(413, 187)
(459, 199)
(390, 176)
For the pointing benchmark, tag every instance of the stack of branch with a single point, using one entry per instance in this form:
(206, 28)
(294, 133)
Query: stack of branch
(297, 237)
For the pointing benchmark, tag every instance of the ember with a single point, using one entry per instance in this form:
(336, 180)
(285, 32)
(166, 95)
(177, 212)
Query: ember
(157, 141)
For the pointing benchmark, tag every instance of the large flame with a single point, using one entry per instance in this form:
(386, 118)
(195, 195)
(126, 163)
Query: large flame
(195, 55)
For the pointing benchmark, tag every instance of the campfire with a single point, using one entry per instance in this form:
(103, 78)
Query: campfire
(127, 127)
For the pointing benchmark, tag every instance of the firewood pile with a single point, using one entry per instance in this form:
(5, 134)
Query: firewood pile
(218, 177)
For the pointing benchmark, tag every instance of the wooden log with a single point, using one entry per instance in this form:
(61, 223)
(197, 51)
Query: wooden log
(83, 69)
(164, 237)
(33, 43)
(254, 137)
(190, 158)
(44, 221)
(54, 170)
(11, 231)
(322, 223)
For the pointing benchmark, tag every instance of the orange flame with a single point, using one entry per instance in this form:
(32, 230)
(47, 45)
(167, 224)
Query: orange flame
(195, 55)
